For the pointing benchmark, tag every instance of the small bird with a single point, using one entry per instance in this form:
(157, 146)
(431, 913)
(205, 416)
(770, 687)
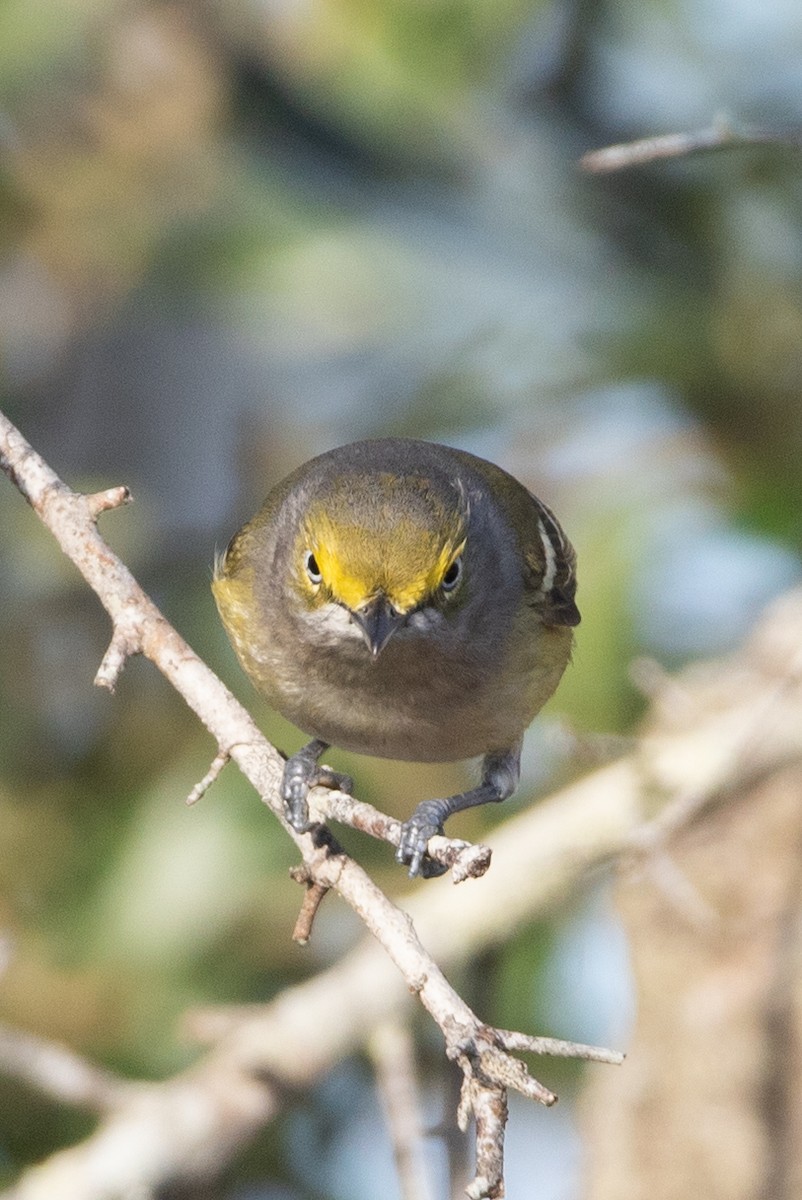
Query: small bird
(404, 600)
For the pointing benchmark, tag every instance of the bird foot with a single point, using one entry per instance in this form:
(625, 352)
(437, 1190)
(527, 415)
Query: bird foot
(425, 823)
(302, 772)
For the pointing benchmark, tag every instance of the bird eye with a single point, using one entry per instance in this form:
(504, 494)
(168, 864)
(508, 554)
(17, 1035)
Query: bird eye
(312, 568)
(452, 575)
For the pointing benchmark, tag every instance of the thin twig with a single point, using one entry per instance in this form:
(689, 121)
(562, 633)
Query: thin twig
(124, 643)
(219, 762)
(314, 895)
(721, 135)
(557, 1048)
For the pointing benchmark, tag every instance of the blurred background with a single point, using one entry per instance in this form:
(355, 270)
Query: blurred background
(235, 233)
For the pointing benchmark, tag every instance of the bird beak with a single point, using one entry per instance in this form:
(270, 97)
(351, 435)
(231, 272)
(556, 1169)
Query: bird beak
(378, 621)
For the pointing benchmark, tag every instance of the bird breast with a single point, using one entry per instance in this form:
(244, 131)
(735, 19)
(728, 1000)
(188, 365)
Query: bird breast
(430, 696)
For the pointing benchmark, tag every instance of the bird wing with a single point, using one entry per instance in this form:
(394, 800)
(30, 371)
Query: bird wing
(551, 563)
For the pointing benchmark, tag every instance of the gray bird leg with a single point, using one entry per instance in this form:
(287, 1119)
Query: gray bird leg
(501, 770)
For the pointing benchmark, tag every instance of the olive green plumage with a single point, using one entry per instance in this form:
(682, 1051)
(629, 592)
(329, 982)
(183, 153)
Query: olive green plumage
(406, 600)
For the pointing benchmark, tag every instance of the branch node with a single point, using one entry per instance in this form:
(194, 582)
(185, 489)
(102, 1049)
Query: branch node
(418, 983)
(121, 647)
(201, 788)
(100, 502)
(507, 1072)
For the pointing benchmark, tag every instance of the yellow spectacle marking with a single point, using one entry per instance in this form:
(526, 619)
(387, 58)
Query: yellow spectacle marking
(406, 564)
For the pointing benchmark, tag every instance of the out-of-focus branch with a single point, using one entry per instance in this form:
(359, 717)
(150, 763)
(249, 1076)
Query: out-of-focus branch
(393, 1053)
(721, 135)
(59, 1073)
(709, 1104)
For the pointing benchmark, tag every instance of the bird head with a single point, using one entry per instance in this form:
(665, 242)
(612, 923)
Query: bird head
(382, 548)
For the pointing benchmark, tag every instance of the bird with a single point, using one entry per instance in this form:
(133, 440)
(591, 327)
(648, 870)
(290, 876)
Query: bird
(405, 600)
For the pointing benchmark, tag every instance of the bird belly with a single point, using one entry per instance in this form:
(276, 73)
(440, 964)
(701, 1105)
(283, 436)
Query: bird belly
(414, 701)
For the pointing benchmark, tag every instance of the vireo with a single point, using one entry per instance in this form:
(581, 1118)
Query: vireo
(405, 600)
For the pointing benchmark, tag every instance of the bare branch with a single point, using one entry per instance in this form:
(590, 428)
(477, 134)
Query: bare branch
(721, 135)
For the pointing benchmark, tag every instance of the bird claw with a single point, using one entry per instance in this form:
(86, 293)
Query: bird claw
(338, 781)
(424, 823)
(301, 774)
